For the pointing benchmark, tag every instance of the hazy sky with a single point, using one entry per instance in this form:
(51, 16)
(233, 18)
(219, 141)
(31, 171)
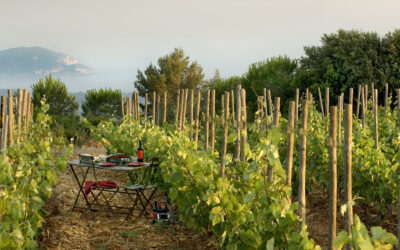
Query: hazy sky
(122, 36)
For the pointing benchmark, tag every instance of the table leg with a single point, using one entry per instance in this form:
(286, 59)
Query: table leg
(80, 184)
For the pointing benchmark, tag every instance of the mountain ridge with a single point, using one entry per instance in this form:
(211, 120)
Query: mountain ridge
(36, 60)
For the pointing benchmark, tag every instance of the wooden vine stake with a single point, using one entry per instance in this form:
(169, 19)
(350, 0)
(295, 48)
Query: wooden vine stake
(165, 107)
(5, 133)
(302, 160)
(269, 102)
(3, 118)
(351, 96)
(339, 118)
(348, 196)
(191, 113)
(327, 102)
(243, 125)
(363, 107)
(181, 109)
(184, 108)
(177, 110)
(223, 110)
(332, 176)
(154, 108)
(290, 145)
(296, 109)
(366, 97)
(207, 121)
(128, 110)
(19, 113)
(145, 109)
(122, 106)
(137, 107)
(321, 102)
(373, 95)
(158, 110)
(376, 119)
(134, 105)
(225, 136)
(238, 119)
(232, 100)
(196, 135)
(265, 105)
(10, 119)
(212, 118)
(277, 110)
(358, 101)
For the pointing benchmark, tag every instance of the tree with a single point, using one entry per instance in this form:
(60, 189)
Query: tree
(63, 107)
(275, 74)
(102, 104)
(344, 60)
(174, 72)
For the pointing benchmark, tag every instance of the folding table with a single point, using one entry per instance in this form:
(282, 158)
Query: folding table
(135, 192)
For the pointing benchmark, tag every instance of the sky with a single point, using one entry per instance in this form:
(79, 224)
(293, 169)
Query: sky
(121, 36)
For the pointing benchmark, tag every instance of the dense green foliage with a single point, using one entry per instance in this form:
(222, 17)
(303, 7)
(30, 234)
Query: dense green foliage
(27, 172)
(101, 105)
(62, 106)
(348, 58)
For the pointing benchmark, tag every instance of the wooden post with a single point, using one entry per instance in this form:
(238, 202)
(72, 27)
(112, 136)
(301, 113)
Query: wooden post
(133, 109)
(321, 102)
(137, 107)
(244, 124)
(196, 136)
(277, 107)
(358, 101)
(366, 97)
(207, 122)
(223, 110)
(296, 109)
(212, 118)
(232, 100)
(158, 109)
(269, 102)
(10, 119)
(181, 111)
(289, 151)
(28, 112)
(225, 136)
(376, 119)
(327, 102)
(122, 106)
(191, 113)
(265, 106)
(165, 107)
(238, 119)
(386, 96)
(177, 110)
(128, 106)
(332, 177)
(19, 113)
(5, 133)
(348, 196)
(339, 118)
(302, 160)
(184, 108)
(363, 107)
(145, 109)
(154, 108)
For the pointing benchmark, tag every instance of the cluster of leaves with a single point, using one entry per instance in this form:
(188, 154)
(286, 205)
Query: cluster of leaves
(243, 209)
(27, 172)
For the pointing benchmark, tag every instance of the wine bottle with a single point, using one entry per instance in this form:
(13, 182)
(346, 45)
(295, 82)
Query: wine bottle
(140, 152)
(155, 209)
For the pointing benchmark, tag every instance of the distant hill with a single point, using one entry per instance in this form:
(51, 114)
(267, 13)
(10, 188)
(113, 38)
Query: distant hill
(38, 61)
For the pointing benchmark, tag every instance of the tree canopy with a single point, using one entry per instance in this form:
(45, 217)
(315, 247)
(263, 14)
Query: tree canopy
(101, 105)
(174, 72)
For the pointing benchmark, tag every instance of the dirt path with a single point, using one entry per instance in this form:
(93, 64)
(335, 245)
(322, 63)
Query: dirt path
(65, 229)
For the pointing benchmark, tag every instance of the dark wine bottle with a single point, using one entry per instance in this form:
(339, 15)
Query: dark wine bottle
(155, 209)
(140, 152)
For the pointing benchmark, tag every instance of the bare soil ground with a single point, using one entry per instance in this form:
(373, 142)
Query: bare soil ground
(65, 229)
